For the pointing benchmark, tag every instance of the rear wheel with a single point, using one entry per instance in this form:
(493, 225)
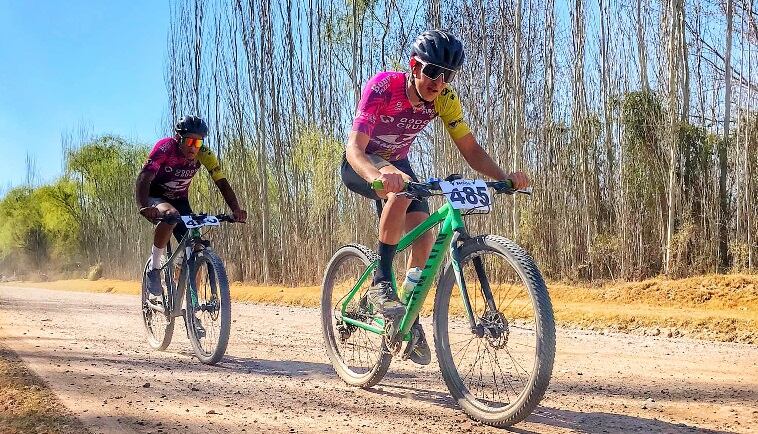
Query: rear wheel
(499, 371)
(360, 357)
(158, 326)
(209, 311)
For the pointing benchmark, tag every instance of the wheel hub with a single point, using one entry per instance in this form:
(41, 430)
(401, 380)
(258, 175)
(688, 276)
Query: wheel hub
(495, 328)
(344, 329)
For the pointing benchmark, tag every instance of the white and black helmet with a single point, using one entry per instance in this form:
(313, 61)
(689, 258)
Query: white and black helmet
(191, 125)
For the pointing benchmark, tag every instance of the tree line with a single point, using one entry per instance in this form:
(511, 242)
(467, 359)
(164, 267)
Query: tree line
(636, 122)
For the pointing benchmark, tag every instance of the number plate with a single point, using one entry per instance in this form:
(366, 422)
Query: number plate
(207, 221)
(467, 194)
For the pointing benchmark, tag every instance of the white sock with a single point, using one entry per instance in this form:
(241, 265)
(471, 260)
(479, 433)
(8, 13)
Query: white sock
(157, 255)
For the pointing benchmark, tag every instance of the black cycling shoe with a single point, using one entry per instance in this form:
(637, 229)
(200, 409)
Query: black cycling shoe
(154, 283)
(384, 299)
(421, 353)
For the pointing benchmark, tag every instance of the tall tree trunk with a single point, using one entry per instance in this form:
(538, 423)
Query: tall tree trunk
(518, 119)
(641, 47)
(673, 127)
(685, 64)
(723, 200)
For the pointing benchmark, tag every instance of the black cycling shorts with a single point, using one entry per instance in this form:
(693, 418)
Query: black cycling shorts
(181, 205)
(357, 184)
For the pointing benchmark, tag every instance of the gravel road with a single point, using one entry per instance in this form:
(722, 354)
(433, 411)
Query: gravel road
(91, 350)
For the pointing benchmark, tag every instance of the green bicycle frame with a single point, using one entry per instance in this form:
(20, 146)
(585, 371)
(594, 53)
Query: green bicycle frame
(452, 223)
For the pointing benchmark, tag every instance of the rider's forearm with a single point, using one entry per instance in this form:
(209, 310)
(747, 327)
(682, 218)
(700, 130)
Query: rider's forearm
(478, 158)
(362, 165)
(229, 197)
(484, 164)
(355, 153)
(142, 189)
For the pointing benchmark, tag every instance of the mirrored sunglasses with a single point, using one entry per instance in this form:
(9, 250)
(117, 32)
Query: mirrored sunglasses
(192, 143)
(433, 71)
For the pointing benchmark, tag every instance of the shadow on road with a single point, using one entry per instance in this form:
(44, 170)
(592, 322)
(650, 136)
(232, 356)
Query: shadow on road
(440, 399)
(293, 368)
(601, 423)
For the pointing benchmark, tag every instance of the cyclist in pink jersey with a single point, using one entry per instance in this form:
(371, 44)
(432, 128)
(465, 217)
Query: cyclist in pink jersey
(162, 186)
(394, 108)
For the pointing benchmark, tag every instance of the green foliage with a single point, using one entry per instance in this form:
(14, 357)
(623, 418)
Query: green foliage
(20, 224)
(39, 226)
(339, 29)
(316, 156)
(643, 119)
(60, 217)
(106, 162)
(696, 151)
(53, 227)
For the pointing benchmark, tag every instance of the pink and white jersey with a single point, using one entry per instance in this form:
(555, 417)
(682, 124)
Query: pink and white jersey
(386, 115)
(173, 171)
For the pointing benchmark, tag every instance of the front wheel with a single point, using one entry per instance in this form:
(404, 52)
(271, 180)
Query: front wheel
(208, 315)
(497, 370)
(359, 356)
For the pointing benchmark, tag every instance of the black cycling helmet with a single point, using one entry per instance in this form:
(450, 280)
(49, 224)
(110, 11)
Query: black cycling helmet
(440, 48)
(191, 125)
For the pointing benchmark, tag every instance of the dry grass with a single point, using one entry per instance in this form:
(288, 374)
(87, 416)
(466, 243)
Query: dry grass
(26, 404)
(716, 307)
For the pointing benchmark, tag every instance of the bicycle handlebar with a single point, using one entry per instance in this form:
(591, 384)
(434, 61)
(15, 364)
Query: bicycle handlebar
(432, 187)
(176, 218)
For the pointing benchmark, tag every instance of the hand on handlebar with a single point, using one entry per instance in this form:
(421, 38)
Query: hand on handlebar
(391, 182)
(519, 180)
(154, 215)
(239, 215)
(151, 213)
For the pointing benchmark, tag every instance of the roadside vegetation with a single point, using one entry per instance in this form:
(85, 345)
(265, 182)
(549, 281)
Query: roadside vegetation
(712, 307)
(27, 406)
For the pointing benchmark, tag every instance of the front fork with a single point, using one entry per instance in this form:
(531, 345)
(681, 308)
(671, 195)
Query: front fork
(455, 255)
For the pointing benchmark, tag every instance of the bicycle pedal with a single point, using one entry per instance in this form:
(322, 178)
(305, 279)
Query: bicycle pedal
(410, 345)
(156, 304)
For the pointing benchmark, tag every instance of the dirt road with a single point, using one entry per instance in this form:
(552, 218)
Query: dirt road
(90, 349)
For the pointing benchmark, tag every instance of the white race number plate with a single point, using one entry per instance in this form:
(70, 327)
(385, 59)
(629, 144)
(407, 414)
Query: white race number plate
(467, 194)
(207, 221)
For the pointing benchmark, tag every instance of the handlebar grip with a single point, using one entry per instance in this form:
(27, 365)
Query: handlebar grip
(377, 184)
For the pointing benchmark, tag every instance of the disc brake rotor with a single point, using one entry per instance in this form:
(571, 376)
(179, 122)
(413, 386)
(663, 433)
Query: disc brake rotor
(496, 329)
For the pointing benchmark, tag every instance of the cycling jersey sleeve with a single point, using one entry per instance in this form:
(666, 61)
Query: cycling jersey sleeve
(448, 105)
(157, 157)
(209, 160)
(373, 100)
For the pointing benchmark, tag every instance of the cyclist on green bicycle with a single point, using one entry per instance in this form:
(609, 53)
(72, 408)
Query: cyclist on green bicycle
(394, 108)
(163, 186)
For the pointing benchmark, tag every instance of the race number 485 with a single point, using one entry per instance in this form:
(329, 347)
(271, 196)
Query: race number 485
(467, 194)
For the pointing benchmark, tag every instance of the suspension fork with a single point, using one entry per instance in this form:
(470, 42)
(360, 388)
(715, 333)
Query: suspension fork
(193, 246)
(180, 282)
(485, 282)
(455, 257)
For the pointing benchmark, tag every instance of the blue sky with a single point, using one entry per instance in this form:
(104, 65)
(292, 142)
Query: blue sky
(67, 64)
